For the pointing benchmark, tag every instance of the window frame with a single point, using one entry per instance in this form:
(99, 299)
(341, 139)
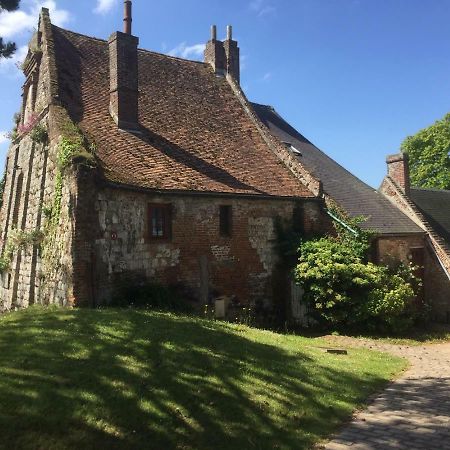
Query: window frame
(166, 209)
(226, 221)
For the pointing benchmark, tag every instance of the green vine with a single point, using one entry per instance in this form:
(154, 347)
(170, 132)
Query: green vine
(19, 240)
(72, 149)
(39, 134)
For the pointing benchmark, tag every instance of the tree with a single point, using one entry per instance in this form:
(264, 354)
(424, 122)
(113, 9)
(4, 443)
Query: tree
(7, 48)
(429, 157)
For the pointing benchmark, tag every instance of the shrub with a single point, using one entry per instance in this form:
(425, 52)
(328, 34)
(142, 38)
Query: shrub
(29, 124)
(39, 134)
(150, 295)
(342, 289)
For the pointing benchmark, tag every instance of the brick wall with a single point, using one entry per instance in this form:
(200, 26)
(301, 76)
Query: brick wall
(196, 257)
(436, 281)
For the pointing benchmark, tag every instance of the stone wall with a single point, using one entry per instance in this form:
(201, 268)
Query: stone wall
(37, 273)
(196, 256)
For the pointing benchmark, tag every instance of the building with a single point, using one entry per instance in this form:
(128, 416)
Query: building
(430, 210)
(144, 167)
(130, 165)
(400, 235)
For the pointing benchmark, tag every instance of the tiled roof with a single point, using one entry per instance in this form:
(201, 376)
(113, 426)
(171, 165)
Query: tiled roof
(356, 197)
(435, 205)
(196, 134)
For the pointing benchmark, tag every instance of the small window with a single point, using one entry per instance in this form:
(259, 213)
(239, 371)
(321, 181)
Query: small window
(226, 216)
(160, 221)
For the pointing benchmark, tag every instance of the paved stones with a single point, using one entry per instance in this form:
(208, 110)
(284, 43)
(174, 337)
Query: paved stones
(413, 412)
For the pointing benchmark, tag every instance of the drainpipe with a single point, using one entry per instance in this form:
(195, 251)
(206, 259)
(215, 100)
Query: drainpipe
(354, 232)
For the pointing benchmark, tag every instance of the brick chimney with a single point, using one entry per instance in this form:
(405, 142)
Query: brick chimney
(123, 75)
(232, 55)
(398, 170)
(223, 56)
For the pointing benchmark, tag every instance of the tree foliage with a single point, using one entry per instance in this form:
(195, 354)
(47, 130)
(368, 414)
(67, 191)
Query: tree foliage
(7, 48)
(429, 158)
(343, 289)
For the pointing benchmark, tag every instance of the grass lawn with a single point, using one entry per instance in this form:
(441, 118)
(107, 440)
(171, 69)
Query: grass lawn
(130, 379)
(432, 334)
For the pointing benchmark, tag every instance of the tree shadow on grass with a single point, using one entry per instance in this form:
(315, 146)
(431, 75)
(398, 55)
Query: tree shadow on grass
(134, 379)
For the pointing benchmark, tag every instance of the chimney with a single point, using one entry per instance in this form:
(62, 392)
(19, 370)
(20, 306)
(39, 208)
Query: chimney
(232, 55)
(398, 170)
(223, 56)
(123, 75)
(215, 53)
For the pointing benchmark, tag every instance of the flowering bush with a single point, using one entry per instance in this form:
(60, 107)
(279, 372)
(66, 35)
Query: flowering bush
(29, 124)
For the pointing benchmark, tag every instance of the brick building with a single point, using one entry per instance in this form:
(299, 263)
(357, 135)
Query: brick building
(400, 235)
(154, 168)
(430, 210)
(159, 168)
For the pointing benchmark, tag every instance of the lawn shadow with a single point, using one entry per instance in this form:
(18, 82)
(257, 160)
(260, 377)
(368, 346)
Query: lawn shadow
(132, 379)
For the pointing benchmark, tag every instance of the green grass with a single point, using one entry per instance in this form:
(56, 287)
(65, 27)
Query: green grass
(129, 379)
(432, 334)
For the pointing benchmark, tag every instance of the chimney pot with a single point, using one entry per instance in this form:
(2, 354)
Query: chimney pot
(229, 33)
(213, 33)
(127, 17)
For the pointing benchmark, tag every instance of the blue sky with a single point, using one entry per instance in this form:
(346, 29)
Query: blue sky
(354, 76)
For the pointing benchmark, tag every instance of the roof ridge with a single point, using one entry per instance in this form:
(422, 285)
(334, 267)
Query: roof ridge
(153, 52)
(416, 188)
(80, 34)
(105, 41)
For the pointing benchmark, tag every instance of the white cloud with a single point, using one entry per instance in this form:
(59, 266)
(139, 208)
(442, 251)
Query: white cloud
(261, 7)
(10, 66)
(104, 6)
(15, 23)
(188, 51)
(3, 138)
(267, 76)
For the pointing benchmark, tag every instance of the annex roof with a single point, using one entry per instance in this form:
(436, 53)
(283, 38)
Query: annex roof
(352, 194)
(435, 205)
(196, 136)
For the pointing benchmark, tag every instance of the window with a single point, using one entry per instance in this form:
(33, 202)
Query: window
(226, 216)
(160, 221)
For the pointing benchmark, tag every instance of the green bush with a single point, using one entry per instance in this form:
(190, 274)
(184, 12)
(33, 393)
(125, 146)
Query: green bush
(39, 134)
(342, 289)
(149, 295)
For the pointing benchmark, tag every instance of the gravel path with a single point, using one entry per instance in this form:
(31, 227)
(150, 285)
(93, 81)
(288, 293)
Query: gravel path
(413, 412)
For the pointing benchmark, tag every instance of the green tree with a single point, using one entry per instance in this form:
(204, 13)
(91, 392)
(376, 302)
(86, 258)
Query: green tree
(429, 158)
(7, 48)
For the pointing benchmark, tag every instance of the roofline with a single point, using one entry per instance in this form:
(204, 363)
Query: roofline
(403, 233)
(105, 41)
(416, 188)
(185, 193)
